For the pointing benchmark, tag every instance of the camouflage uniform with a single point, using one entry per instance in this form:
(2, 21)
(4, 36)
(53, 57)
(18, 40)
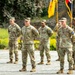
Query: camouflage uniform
(65, 45)
(56, 28)
(74, 48)
(14, 31)
(28, 34)
(45, 33)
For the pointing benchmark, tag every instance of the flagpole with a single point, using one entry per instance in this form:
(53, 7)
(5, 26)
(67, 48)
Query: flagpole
(57, 11)
(71, 12)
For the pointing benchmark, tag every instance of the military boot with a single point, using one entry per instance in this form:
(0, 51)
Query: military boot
(11, 61)
(23, 69)
(70, 72)
(48, 63)
(33, 70)
(58, 59)
(40, 63)
(60, 71)
(73, 67)
(16, 62)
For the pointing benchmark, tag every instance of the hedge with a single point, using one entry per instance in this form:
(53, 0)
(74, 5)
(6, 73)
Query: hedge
(4, 40)
(4, 44)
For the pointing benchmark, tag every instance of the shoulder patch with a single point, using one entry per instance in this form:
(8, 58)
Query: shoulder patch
(72, 32)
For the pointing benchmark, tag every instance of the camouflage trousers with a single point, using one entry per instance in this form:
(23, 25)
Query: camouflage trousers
(13, 49)
(74, 53)
(69, 52)
(28, 49)
(45, 47)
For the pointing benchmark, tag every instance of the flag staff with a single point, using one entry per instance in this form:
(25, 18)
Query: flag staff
(56, 11)
(71, 12)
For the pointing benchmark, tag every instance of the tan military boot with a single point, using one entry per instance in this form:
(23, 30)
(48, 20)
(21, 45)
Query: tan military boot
(16, 62)
(40, 63)
(11, 61)
(48, 63)
(60, 71)
(33, 70)
(23, 69)
(58, 59)
(73, 67)
(70, 72)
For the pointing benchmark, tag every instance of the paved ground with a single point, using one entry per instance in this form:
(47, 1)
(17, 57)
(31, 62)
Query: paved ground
(13, 69)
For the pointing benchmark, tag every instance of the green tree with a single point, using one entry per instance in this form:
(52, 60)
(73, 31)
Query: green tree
(18, 8)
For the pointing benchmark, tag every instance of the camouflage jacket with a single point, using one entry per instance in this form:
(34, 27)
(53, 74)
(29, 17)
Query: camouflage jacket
(73, 27)
(14, 31)
(45, 33)
(73, 40)
(65, 35)
(28, 34)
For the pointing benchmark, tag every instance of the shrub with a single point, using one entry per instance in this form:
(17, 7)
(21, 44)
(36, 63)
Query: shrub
(4, 44)
(44, 13)
(52, 44)
(4, 41)
(36, 44)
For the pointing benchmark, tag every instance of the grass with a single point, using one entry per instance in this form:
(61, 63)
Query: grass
(3, 38)
(3, 33)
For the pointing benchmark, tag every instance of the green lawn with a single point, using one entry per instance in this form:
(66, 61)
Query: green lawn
(3, 33)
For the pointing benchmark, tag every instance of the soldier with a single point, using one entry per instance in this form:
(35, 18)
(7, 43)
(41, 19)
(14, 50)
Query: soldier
(56, 28)
(73, 26)
(28, 33)
(65, 33)
(45, 32)
(14, 31)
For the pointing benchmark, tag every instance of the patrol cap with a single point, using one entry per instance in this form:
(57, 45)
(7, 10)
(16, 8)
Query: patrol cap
(59, 20)
(63, 19)
(74, 18)
(27, 19)
(43, 21)
(12, 18)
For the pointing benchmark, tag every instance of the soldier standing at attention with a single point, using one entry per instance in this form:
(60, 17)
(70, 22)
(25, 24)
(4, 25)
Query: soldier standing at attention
(14, 32)
(45, 33)
(73, 26)
(65, 33)
(56, 28)
(28, 33)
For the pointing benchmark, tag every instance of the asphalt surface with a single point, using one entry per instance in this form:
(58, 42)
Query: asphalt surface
(13, 69)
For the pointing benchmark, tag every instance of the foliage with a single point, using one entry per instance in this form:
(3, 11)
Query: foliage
(3, 38)
(4, 44)
(44, 13)
(19, 9)
(3, 33)
(4, 41)
(53, 36)
(52, 44)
